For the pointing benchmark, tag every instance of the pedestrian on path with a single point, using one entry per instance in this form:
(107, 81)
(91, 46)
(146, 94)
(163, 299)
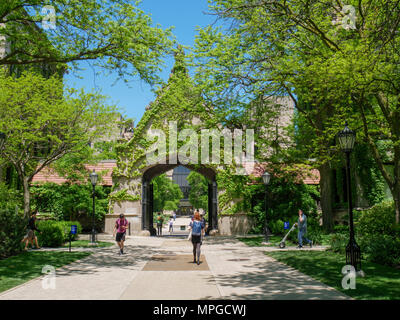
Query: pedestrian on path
(160, 221)
(120, 227)
(30, 235)
(302, 229)
(171, 225)
(197, 228)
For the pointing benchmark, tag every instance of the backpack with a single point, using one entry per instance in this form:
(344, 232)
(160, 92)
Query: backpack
(197, 226)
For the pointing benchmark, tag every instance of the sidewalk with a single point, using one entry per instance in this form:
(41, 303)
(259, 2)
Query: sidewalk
(162, 269)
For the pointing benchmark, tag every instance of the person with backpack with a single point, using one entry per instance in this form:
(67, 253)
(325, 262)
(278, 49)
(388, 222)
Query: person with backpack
(171, 225)
(197, 228)
(120, 227)
(30, 236)
(160, 221)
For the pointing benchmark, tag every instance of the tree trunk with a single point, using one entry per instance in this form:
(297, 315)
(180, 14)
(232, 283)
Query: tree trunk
(326, 180)
(27, 197)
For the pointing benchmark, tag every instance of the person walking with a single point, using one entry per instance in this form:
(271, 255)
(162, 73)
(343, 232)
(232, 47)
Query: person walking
(197, 228)
(160, 221)
(31, 228)
(171, 225)
(302, 229)
(120, 228)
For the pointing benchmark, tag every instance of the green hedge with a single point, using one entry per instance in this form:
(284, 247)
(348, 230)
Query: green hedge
(376, 234)
(12, 231)
(55, 233)
(12, 223)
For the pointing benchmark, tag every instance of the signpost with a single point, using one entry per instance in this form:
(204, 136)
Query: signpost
(286, 225)
(74, 230)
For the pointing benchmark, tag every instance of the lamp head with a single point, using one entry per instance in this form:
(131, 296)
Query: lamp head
(346, 138)
(93, 177)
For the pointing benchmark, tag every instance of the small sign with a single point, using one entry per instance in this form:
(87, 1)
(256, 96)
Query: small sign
(74, 229)
(286, 225)
(183, 227)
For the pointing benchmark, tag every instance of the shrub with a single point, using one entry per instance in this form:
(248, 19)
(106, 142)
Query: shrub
(378, 220)
(382, 249)
(338, 242)
(13, 229)
(66, 225)
(13, 225)
(276, 227)
(51, 235)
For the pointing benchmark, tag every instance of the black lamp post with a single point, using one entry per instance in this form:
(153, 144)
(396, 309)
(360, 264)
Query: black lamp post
(266, 178)
(93, 179)
(347, 138)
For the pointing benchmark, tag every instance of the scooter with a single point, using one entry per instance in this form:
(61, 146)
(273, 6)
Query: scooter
(282, 243)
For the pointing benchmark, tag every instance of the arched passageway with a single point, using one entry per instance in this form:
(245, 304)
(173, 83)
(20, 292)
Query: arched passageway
(148, 192)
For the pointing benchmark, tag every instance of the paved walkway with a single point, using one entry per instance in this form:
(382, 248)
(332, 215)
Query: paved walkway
(162, 269)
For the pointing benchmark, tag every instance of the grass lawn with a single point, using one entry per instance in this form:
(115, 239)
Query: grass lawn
(28, 265)
(276, 239)
(380, 282)
(86, 244)
(257, 241)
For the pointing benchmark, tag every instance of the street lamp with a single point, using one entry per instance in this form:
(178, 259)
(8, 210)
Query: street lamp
(93, 179)
(266, 178)
(346, 139)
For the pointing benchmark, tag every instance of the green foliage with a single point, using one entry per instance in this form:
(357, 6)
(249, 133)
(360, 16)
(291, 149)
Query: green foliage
(379, 220)
(66, 225)
(383, 249)
(285, 198)
(46, 121)
(13, 225)
(198, 195)
(339, 241)
(70, 201)
(114, 35)
(372, 181)
(55, 233)
(13, 229)
(51, 235)
(376, 234)
(166, 193)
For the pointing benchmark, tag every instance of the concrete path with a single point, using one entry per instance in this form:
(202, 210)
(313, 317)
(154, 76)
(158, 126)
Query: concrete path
(162, 269)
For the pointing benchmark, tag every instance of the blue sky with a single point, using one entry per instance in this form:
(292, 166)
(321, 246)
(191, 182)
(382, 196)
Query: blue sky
(185, 16)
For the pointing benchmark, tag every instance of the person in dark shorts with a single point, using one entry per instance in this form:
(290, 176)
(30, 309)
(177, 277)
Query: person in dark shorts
(197, 227)
(30, 235)
(120, 228)
(160, 221)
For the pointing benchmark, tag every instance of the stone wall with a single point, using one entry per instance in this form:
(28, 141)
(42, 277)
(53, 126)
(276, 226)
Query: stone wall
(238, 224)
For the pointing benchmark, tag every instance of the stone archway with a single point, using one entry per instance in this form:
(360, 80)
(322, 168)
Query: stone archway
(178, 108)
(139, 211)
(147, 195)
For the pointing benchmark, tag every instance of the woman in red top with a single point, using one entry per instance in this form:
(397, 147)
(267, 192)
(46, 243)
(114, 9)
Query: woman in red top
(120, 227)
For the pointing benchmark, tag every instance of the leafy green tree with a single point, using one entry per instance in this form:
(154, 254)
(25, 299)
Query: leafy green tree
(332, 72)
(43, 121)
(167, 194)
(112, 34)
(70, 201)
(198, 194)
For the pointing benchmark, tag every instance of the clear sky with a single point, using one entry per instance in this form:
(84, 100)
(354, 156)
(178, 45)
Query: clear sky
(185, 16)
